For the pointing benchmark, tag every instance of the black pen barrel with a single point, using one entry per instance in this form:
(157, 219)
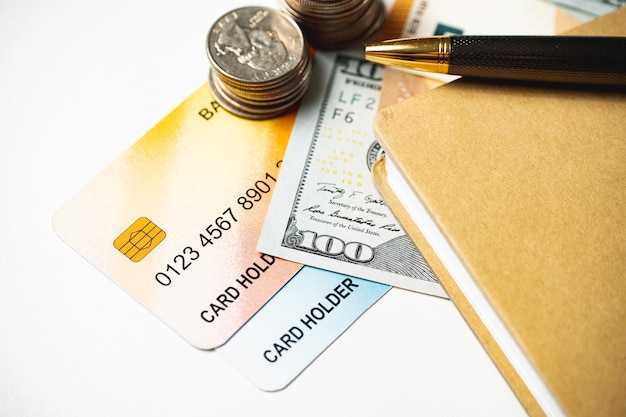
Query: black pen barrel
(575, 59)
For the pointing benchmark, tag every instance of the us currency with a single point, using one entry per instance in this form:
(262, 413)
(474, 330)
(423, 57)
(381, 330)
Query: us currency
(260, 62)
(326, 211)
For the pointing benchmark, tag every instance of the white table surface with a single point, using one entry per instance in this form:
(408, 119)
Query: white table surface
(80, 81)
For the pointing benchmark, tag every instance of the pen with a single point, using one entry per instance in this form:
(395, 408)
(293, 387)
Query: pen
(571, 59)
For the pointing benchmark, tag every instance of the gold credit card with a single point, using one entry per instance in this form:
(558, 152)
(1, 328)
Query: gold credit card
(176, 218)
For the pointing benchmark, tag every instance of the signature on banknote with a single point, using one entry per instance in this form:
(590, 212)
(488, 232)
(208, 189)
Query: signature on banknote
(330, 214)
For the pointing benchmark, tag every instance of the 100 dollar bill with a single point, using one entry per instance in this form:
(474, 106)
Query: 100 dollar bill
(326, 211)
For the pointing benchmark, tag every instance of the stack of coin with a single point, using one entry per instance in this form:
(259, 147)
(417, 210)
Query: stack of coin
(260, 62)
(336, 24)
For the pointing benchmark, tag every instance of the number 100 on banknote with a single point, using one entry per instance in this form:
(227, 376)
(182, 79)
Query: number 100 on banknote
(326, 211)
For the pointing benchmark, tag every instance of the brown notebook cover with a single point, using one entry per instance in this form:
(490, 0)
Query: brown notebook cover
(527, 186)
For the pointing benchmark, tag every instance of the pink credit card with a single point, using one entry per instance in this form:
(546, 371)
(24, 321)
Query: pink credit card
(175, 219)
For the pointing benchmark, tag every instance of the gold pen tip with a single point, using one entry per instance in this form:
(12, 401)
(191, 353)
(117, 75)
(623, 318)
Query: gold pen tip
(372, 46)
(380, 52)
(379, 47)
(424, 54)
